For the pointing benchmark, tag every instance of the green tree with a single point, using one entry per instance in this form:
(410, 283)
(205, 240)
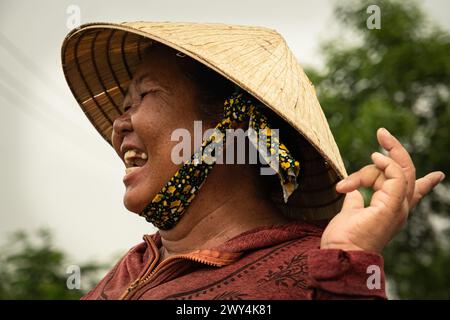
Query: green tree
(396, 77)
(31, 268)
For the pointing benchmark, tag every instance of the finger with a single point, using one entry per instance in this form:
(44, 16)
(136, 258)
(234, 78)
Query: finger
(400, 155)
(353, 200)
(424, 185)
(368, 176)
(392, 193)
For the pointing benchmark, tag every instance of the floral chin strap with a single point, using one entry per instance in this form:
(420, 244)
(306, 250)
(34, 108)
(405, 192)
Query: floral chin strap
(168, 206)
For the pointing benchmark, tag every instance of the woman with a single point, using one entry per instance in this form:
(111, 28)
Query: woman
(227, 231)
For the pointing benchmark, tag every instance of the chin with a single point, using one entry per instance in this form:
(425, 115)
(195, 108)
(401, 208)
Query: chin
(134, 202)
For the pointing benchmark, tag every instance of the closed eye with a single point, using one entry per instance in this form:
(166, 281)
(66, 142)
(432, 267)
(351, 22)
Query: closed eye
(142, 96)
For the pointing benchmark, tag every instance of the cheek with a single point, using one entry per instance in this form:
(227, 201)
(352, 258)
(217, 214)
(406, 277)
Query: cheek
(155, 128)
(154, 131)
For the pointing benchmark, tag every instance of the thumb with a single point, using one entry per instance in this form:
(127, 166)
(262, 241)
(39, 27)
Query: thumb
(353, 200)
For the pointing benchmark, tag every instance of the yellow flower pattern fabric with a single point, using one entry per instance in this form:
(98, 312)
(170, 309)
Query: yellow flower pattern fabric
(168, 206)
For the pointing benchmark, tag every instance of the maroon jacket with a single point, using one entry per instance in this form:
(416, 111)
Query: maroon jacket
(272, 262)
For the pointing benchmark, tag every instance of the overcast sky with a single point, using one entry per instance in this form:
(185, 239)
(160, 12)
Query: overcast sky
(56, 170)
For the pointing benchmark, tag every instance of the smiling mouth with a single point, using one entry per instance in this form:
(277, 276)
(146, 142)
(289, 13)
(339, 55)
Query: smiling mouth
(134, 159)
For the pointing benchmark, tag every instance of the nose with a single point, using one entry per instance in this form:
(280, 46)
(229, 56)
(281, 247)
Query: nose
(122, 125)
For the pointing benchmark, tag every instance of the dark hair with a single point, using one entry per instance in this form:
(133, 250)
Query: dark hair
(212, 88)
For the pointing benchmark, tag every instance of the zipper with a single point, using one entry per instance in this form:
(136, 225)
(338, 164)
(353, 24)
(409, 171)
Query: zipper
(149, 274)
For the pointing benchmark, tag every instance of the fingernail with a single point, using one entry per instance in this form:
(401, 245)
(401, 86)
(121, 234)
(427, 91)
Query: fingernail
(387, 132)
(377, 154)
(442, 178)
(340, 183)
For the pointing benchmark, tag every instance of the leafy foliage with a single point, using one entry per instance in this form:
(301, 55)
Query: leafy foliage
(33, 269)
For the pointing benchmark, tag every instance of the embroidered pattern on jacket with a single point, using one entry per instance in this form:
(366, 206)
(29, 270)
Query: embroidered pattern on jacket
(290, 273)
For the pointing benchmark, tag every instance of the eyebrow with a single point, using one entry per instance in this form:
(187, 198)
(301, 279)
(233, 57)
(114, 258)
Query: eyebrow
(146, 76)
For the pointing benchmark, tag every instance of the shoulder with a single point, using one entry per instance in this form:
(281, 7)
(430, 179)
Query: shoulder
(126, 270)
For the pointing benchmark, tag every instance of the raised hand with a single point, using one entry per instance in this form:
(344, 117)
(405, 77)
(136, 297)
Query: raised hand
(393, 178)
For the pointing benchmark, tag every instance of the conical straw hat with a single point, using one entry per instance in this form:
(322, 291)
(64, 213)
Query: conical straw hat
(99, 60)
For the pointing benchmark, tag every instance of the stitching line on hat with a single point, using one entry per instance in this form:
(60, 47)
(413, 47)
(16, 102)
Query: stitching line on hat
(84, 80)
(108, 59)
(124, 58)
(105, 91)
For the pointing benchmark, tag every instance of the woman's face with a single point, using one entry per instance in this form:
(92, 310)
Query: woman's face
(160, 99)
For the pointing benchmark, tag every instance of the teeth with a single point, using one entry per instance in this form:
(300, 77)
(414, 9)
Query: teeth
(130, 154)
